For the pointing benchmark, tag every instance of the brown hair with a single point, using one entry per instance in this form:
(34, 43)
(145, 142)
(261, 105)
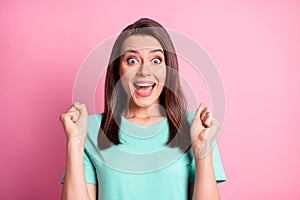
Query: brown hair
(171, 98)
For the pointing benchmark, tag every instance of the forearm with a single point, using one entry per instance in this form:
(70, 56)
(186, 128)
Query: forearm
(205, 187)
(75, 186)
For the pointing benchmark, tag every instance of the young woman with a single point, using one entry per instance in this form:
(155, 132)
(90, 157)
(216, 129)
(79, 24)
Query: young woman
(145, 145)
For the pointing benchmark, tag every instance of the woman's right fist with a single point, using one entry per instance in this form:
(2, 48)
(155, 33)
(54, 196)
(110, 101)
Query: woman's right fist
(75, 121)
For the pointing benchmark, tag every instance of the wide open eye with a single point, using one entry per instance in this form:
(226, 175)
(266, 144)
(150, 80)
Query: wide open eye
(156, 61)
(132, 61)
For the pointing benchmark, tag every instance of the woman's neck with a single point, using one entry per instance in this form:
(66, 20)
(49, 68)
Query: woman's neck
(144, 115)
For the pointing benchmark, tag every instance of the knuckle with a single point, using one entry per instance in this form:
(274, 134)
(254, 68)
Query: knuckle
(62, 117)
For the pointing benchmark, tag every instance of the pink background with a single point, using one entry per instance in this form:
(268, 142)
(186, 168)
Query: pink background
(254, 45)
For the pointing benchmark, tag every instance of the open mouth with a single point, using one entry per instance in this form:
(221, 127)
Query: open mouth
(144, 89)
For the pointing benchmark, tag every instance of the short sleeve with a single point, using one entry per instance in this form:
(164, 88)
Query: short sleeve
(89, 170)
(89, 167)
(217, 164)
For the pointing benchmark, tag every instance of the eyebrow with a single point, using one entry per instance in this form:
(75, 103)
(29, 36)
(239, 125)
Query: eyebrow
(136, 52)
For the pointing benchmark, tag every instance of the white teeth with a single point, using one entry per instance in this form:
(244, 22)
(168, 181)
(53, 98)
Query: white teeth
(144, 84)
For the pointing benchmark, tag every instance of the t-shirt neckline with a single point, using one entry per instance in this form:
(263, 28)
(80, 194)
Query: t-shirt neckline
(139, 131)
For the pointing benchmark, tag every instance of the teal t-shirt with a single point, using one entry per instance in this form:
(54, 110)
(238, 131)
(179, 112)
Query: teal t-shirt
(142, 167)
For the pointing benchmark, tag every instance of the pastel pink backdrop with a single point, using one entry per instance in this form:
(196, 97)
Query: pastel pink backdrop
(254, 44)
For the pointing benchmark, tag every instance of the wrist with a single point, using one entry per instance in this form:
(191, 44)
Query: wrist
(204, 159)
(201, 149)
(75, 142)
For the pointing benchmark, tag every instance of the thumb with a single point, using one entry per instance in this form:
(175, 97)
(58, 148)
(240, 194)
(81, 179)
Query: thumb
(198, 113)
(66, 118)
(81, 108)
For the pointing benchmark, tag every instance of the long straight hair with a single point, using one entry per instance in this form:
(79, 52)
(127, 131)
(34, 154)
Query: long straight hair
(171, 98)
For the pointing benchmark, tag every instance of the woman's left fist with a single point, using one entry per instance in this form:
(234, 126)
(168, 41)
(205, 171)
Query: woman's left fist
(204, 129)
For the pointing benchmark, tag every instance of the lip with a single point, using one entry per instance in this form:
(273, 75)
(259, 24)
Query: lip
(142, 93)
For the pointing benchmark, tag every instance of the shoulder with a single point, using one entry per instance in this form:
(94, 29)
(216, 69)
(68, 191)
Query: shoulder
(95, 118)
(94, 122)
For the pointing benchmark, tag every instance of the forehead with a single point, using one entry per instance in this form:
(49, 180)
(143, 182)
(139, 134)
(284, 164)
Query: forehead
(140, 42)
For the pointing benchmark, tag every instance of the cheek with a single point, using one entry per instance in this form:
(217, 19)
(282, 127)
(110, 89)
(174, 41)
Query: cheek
(124, 73)
(123, 77)
(125, 82)
(126, 77)
(122, 70)
(127, 71)
(161, 74)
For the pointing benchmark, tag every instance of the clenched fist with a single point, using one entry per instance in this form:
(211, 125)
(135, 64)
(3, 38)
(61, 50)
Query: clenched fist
(75, 122)
(203, 130)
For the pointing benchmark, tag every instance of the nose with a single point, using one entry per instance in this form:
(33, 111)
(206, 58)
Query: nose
(144, 69)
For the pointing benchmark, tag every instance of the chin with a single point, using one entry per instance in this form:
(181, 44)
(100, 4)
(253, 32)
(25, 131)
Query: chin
(143, 102)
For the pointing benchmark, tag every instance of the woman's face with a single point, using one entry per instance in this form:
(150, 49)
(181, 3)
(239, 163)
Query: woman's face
(142, 69)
